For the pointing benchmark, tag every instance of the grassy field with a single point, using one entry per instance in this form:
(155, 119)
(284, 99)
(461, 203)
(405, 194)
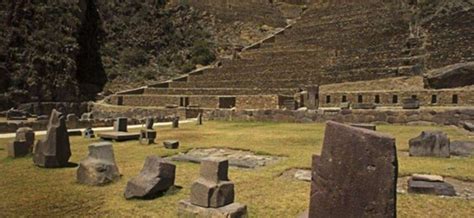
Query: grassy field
(26, 190)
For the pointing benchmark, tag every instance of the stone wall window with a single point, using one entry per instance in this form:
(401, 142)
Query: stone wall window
(183, 101)
(455, 99)
(377, 99)
(344, 98)
(120, 100)
(226, 102)
(395, 99)
(414, 96)
(328, 99)
(360, 99)
(434, 99)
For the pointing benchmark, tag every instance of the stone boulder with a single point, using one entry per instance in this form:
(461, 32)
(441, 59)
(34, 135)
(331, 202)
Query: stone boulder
(461, 148)
(351, 159)
(452, 76)
(99, 168)
(431, 144)
(54, 150)
(428, 184)
(171, 144)
(468, 126)
(156, 176)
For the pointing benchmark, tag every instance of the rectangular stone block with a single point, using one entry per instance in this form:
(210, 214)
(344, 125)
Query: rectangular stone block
(215, 169)
(206, 193)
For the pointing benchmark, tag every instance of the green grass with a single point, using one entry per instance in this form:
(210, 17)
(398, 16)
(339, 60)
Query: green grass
(27, 190)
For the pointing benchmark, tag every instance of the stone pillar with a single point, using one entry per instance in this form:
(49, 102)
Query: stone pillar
(120, 125)
(313, 96)
(212, 195)
(175, 122)
(356, 174)
(99, 168)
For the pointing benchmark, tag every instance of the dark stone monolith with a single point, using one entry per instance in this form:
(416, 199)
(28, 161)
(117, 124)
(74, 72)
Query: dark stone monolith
(99, 168)
(54, 150)
(431, 144)
(120, 124)
(351, 159)
(156, 177)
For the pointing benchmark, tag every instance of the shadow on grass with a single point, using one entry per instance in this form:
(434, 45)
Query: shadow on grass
(171, 191)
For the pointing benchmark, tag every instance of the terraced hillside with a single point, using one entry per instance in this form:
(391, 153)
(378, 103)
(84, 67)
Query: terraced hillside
(332, 42)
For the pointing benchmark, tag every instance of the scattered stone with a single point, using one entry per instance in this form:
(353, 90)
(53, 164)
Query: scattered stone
(303, 175)
(431, 144)
(212, 194)
(89, 133)
(411, 103)
(364, 106)
(54, 150)
(99, 168)
(365, 126)
(156, 176)
(175, 122)
(74, 132)
(461, 148)
(428, 186)
(350, 159)
(468, 126)
(119, 136)
(120, 125)
(42, 117)
(171, 144)
(15, 114)
(237, 158)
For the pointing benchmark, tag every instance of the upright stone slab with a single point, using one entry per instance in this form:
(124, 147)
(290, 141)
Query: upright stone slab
(27, 135)
(175, 122)
(212, 195)
(431, 144)
(99, 168)
(148, 135)
(156, 176)
(120, 124)
(199, 119)
(149, 123)
(311, 101)
(356, 174)
(54, 150)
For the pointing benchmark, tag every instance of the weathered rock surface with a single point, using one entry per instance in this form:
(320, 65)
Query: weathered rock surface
(424, 186)
(120, 125)
(461, 148)
(156, 176)
(99, 168)
(432, 144)
(213, 188)
(468, 126)
(452, 76)
(235, 210)
(171, 144)
(18, 149)
(54, 150)
(351, 158)
(365, 126)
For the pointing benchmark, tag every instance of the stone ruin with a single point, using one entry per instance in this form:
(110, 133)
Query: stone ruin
(430, 184)
(148, 135)
(157, 176)
(175, 122)
(120, 132)
(410, 103)
(99, 168)
(431, 144)
(212, 195)
(350, 159)
(54, 150)
(23, 143)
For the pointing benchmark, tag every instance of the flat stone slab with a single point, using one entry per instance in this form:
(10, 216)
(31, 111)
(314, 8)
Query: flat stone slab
(188, 210)
(119, 136)
(431, 188)
(461, 148)
(237, 158)
(427, 178)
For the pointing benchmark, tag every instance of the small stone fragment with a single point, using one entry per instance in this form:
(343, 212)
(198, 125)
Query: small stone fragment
(171, 144)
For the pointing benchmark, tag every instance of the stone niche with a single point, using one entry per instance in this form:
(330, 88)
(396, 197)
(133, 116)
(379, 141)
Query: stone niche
(350, 159)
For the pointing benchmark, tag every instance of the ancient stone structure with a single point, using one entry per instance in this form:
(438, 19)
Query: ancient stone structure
(148, 135)
(428, 184)
(156, 176)
(212, 195)
(461, 148)
(120, 124)
(411, 103)
(350, 159)
(54, 150)
(171, 144)
(99, 168)
(435, 144)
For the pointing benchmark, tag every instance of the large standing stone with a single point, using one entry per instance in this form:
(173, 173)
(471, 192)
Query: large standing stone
(212, 195)
(156, 176)
(175, 122)
(54, 150)
(120, 125)
(99, 168)
(351, 159)
(432, 144)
